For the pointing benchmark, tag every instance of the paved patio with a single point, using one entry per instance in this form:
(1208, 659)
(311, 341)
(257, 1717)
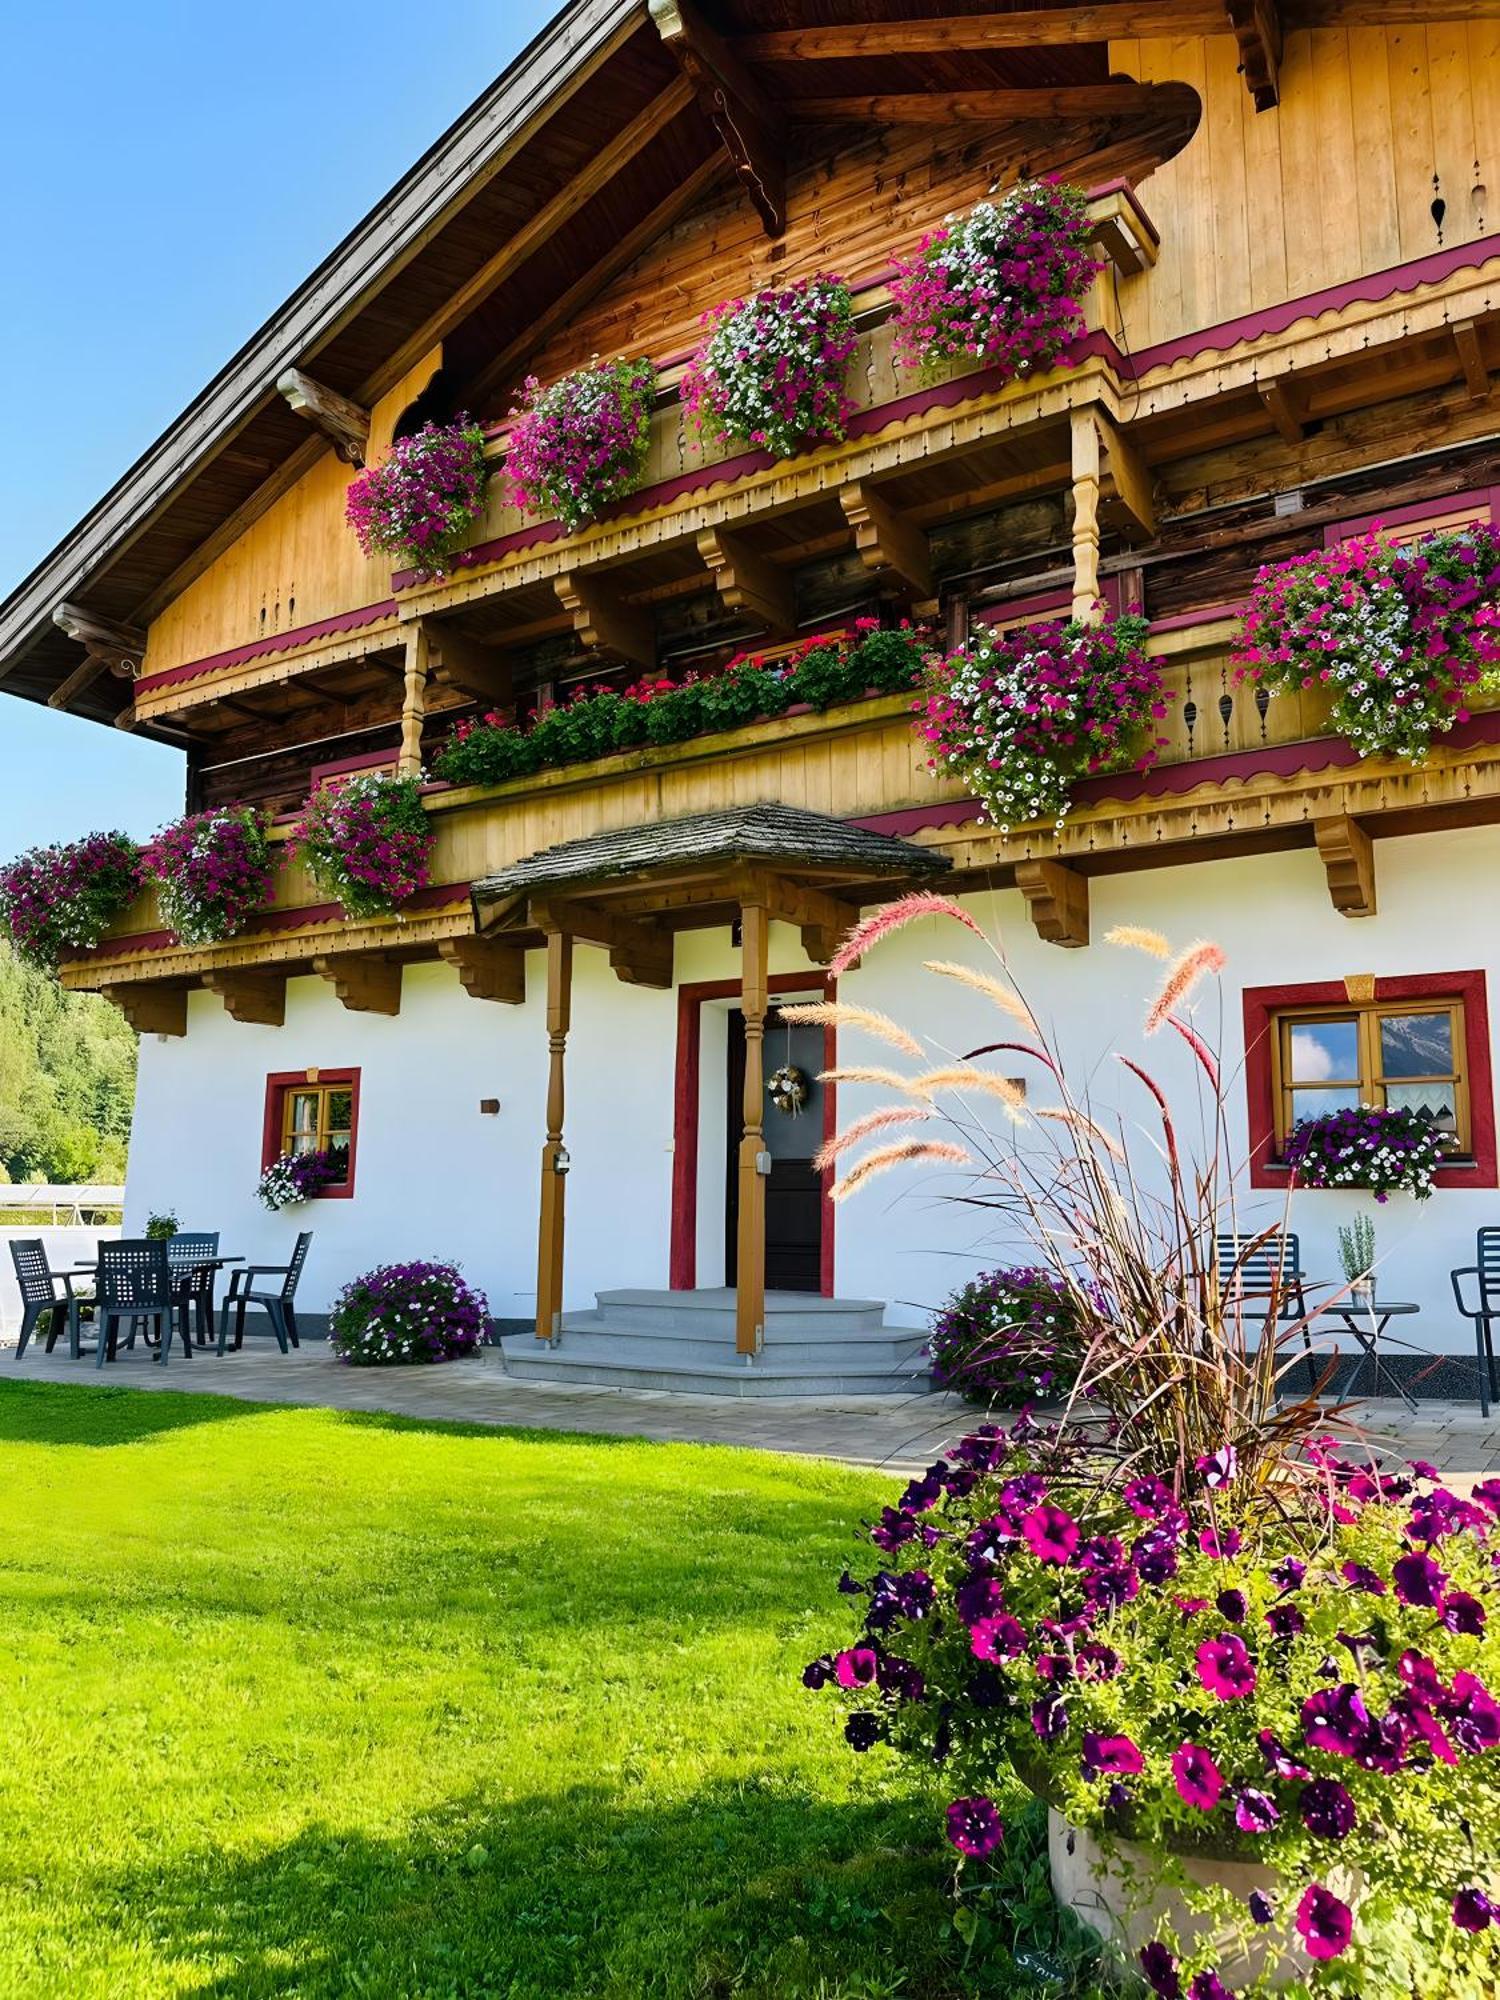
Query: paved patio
(900, 1433)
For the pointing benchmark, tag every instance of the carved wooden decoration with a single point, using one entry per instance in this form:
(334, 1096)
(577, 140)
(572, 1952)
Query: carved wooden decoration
(1466, 340)
(604, 621)
(336, 416)
(640, 953)
(108, 649)
(1348, 856)
(1085, 440)
(747, 122)
(487, 969)
(251, 996)
(366, 981)
(1057, 901)
(886, 541)
(749, 582)
(480, 670)
(413, 699)
(151, 1009)
(1257, 29)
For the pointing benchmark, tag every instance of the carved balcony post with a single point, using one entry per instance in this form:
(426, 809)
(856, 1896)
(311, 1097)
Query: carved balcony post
(549, 1268)
(754, 1161)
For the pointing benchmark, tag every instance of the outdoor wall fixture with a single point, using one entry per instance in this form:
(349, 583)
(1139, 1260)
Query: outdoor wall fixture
(489, 1107)
(562, 1163)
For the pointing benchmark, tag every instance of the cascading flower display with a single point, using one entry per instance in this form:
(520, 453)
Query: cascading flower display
(212, 871)
(1022, 715)
(772, 368)
(418, 505)
(822, 673)
(407, 1313)
(62, 899)
(1384, 1150)
(1004, 283)
(299, 1177)
(366, 842)
(581, 442)
(1006, 1337)
(1397, 634)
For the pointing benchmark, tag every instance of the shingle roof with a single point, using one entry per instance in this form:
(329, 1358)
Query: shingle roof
(771, 833)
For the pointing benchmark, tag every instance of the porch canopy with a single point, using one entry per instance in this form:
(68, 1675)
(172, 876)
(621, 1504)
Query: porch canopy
(628, 891)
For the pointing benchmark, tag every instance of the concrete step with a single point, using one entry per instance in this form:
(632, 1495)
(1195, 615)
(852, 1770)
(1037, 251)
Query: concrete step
(602, 1336)
(710, 1314)
(528, 1360)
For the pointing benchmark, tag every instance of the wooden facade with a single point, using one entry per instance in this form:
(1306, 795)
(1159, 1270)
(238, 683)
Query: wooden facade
(1297, 330)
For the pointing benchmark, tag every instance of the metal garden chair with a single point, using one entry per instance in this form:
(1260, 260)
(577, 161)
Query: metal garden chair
(277, 1303)
(1485, 1271)
(1269, 1268)
(38, 1283)
(190, 1255)
(134, 1284)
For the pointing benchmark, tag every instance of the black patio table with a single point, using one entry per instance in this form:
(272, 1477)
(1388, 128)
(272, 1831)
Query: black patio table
(1367, 1323)
(198, 1264)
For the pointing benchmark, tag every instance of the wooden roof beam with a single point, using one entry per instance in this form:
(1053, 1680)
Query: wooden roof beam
(749, 125)
(151, 1009)
(108, 649)
(640, 953)
(339, 418)
(749, 582)
(1257, 29)
(973, 34)
(1283, 405)
(1133, 486)
(823, 919)
(985, 107)
(604, 621)
(251, 996)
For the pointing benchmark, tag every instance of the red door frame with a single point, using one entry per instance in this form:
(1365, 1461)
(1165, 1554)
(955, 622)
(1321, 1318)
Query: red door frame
(685, 1114)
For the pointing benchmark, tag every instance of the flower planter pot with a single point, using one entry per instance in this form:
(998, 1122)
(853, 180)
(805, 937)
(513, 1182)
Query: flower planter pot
(1122, 1893)
(1362, 1293)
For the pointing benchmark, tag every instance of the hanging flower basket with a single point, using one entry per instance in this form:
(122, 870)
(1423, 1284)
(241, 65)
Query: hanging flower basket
(1383, 1151)
(1003, 284)
(772, 369)
(58, 900)
(1397, 636)
(299, 1177)
(582, 442)
(1021, 716)
(366, 843)
(418, 505)
(212, 871)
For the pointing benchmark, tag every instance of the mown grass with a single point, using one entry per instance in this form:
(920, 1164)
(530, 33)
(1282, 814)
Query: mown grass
(300, 1702)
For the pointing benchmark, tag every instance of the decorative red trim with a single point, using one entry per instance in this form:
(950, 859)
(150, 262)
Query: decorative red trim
(437, 897)
(1261, 1003)
(274, 642)
(1483, 499)
(1121, 186)
(277, 1086)
(1046, 604)
(1206, 614)
(683, 1260)
(346, 767)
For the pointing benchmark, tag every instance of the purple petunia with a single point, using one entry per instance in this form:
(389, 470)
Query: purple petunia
(1418, 1580)
(1261, 1908)
(1114, 1755)
(1327, 1809)
(1473, 1910)
(1255, 1812)
(1225, 1667)
(1159, 1969)
(1051, 1533)
(1324, 1922)
(1199, 1783)
(974, 1826)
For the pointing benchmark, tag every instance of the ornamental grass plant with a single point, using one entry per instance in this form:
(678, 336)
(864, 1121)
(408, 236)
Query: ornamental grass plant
(212, 871)
(581, 442)
(1198, 1615)
(62, 899)
(366, 842)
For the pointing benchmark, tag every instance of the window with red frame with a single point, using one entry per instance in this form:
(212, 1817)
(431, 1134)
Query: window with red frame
(314, 1111)
(1415, 1043)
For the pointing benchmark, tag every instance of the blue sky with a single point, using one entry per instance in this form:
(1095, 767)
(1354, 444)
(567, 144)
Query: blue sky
(172, 171)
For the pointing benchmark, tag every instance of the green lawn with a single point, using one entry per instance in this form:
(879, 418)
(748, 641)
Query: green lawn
(306, 1703)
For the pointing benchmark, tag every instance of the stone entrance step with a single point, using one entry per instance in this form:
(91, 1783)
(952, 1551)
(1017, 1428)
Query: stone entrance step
(685, 1341)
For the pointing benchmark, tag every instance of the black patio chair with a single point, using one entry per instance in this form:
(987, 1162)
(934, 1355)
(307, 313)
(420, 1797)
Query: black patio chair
(193, 1279)
(276, 1302)
(39, 1296)
(1485, 1271)
(134, 1284)
(1269, 1268)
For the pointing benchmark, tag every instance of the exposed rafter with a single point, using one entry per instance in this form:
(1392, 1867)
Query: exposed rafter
(251, 996)
(1057, 901)
(969, 34)
(366, 981)
(462, 662)
(749, 582)
(823, 918)
(338, 417)
(1132, 504)
(985, 107)
(747, 122)
(1467, 341)
(108, 649)
(640, 953)
(1257, 29)
(1283, 405)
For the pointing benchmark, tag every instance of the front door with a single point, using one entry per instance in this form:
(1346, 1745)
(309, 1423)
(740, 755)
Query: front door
(794, 1191)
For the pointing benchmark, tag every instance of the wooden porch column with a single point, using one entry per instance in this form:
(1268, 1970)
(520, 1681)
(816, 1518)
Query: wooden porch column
(1085, 516)
(750, 1258)
(549, 1267)
(414, 699)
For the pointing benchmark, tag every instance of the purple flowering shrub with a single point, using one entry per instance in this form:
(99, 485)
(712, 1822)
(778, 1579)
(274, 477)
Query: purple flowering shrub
(1398, 635)
(59, 900)
(1022, 715)
(581, 442)
(1386, 1151)
(418, 505)
(212, 870)
(367, 842)
(772, 368)
(406, 1313)
(1006, 1337)
(299, 1177)
(1189, 1664)
(1004, 283)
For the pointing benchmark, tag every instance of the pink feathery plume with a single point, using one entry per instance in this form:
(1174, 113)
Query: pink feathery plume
(905, 1152)
(1015, 1049)
(1166, 1110)
(861, 1128)
(1198, 1046)
(892, 917)
(1181, 979)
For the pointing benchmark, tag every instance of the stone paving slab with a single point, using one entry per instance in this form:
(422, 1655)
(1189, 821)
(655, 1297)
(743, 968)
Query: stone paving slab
(898, 1433)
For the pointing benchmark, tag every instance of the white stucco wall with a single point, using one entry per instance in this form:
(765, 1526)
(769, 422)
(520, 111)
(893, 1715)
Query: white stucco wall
(436, 1178)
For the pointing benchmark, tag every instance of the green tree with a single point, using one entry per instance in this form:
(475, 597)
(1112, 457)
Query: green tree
(67, 1080)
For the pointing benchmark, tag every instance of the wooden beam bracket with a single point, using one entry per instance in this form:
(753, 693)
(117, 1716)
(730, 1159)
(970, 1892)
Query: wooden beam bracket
(487, 969)
(1257, 29)
(823, 917)
(338, 417)
(1057, 901)
(108, 649)
(251, 996)
(749, 125)
(1467, 341)
(639, 952)
(1348, 856)
(887, 542)
(1282, 400)
(151, 1009)
(1132, 499)
(367, 982)
(603, 620)
(462, 662)
(749, 582)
